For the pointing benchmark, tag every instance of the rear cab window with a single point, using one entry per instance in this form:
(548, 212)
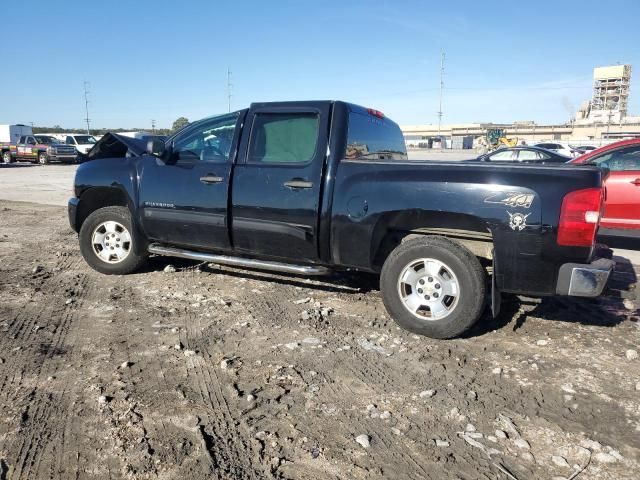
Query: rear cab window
(372, 136)
(284, 138)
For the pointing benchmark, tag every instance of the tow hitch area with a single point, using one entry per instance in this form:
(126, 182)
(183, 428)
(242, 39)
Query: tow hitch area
(584, 280)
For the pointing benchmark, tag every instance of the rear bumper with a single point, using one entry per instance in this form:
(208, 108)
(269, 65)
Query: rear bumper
(584, 280)
(72, 208)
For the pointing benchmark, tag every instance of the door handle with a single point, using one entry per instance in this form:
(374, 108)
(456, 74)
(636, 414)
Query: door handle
(298, 183)
(636, 182)
(211, 179)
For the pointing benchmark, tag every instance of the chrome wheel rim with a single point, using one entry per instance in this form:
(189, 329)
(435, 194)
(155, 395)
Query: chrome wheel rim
(42, 159)
(111, 242)
(429, 289)
(6, 157)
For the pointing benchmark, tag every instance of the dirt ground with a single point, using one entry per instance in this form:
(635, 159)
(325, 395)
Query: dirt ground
(210, 372)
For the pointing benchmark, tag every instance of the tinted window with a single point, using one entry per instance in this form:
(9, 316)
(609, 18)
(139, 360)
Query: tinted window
(70, 141)
(85, 139)
(503, 156)
(21, 140)
(620, 160)
(370, 137)
(31, 140)
(283, 138)
(206, 141)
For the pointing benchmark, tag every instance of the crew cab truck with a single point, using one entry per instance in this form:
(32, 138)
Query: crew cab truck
(310, 187)
(43, 149)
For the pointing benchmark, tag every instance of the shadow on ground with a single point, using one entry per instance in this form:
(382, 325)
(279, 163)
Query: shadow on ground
(344, 282)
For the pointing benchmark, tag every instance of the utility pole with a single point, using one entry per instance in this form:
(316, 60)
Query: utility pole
(86, 106)
(229, 88)
(441, 89)
(153, 126)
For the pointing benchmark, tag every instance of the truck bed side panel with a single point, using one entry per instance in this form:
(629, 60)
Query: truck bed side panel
(515, 207)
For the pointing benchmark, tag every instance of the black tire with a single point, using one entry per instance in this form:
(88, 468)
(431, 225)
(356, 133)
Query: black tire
(43, 158)
(7, 157)
(471, 280)
(132, 262)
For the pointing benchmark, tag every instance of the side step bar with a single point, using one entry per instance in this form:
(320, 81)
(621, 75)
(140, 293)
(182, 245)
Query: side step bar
(239, 261)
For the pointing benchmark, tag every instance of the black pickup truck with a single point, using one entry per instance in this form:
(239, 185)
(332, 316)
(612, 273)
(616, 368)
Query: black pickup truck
(310, 187)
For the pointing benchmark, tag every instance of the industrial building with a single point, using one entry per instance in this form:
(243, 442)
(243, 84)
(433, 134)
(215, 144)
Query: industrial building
(601, 120)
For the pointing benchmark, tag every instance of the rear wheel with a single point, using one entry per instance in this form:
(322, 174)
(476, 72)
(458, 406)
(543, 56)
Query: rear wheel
(108, 242)
(433, 286)
(6, 157)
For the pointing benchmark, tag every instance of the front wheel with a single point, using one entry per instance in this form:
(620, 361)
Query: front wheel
(108, 242)
(43, 159)
(433, 286)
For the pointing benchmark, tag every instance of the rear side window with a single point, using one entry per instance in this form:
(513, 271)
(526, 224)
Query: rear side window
(284, 138)
(373, 138)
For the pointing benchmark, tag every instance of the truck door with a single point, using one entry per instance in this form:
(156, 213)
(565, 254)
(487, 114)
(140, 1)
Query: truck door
(277, 184)
(26, 148)
(183, 197)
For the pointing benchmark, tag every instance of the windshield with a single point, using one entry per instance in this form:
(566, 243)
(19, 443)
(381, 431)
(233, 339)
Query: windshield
(46, 139)
(84, 139)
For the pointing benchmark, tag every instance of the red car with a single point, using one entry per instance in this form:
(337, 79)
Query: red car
(622, 202)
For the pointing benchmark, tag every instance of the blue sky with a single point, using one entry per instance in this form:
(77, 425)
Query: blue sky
(160, 60)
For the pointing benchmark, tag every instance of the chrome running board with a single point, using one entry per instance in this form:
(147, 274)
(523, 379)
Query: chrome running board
(238, 261)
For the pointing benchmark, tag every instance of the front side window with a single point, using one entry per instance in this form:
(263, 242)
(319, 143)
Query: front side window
(31, 140)
(623, 159)
(69, 141)
(206, 141)
(374, 138)
(283, 138)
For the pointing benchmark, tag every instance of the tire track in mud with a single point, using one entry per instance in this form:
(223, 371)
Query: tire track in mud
(45, 410)
(48, 411)
(229, 448)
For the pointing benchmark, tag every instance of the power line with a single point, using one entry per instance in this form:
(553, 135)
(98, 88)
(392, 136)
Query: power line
(441, 88)
(229, 88)
(86, 106)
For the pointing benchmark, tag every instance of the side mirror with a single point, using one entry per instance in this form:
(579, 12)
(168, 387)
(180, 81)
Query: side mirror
(156, 147)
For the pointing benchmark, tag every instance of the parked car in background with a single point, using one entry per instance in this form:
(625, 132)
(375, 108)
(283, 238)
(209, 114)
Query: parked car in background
(43, 149)
(9, 137)
(82, 143)
(522, 155)
(561, 148)
(584, 148)
(622, 200)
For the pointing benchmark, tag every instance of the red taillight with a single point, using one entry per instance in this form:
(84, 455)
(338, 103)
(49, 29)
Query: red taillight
(579, 217)
(375, 113)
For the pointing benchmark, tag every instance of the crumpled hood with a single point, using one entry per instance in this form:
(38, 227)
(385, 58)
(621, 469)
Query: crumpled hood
(112, 145)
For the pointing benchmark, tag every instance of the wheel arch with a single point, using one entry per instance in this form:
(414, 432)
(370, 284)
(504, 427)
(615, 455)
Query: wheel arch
(394, 228)
(95, 198)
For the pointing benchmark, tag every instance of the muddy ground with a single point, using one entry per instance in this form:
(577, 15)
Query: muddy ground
(210, 372)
